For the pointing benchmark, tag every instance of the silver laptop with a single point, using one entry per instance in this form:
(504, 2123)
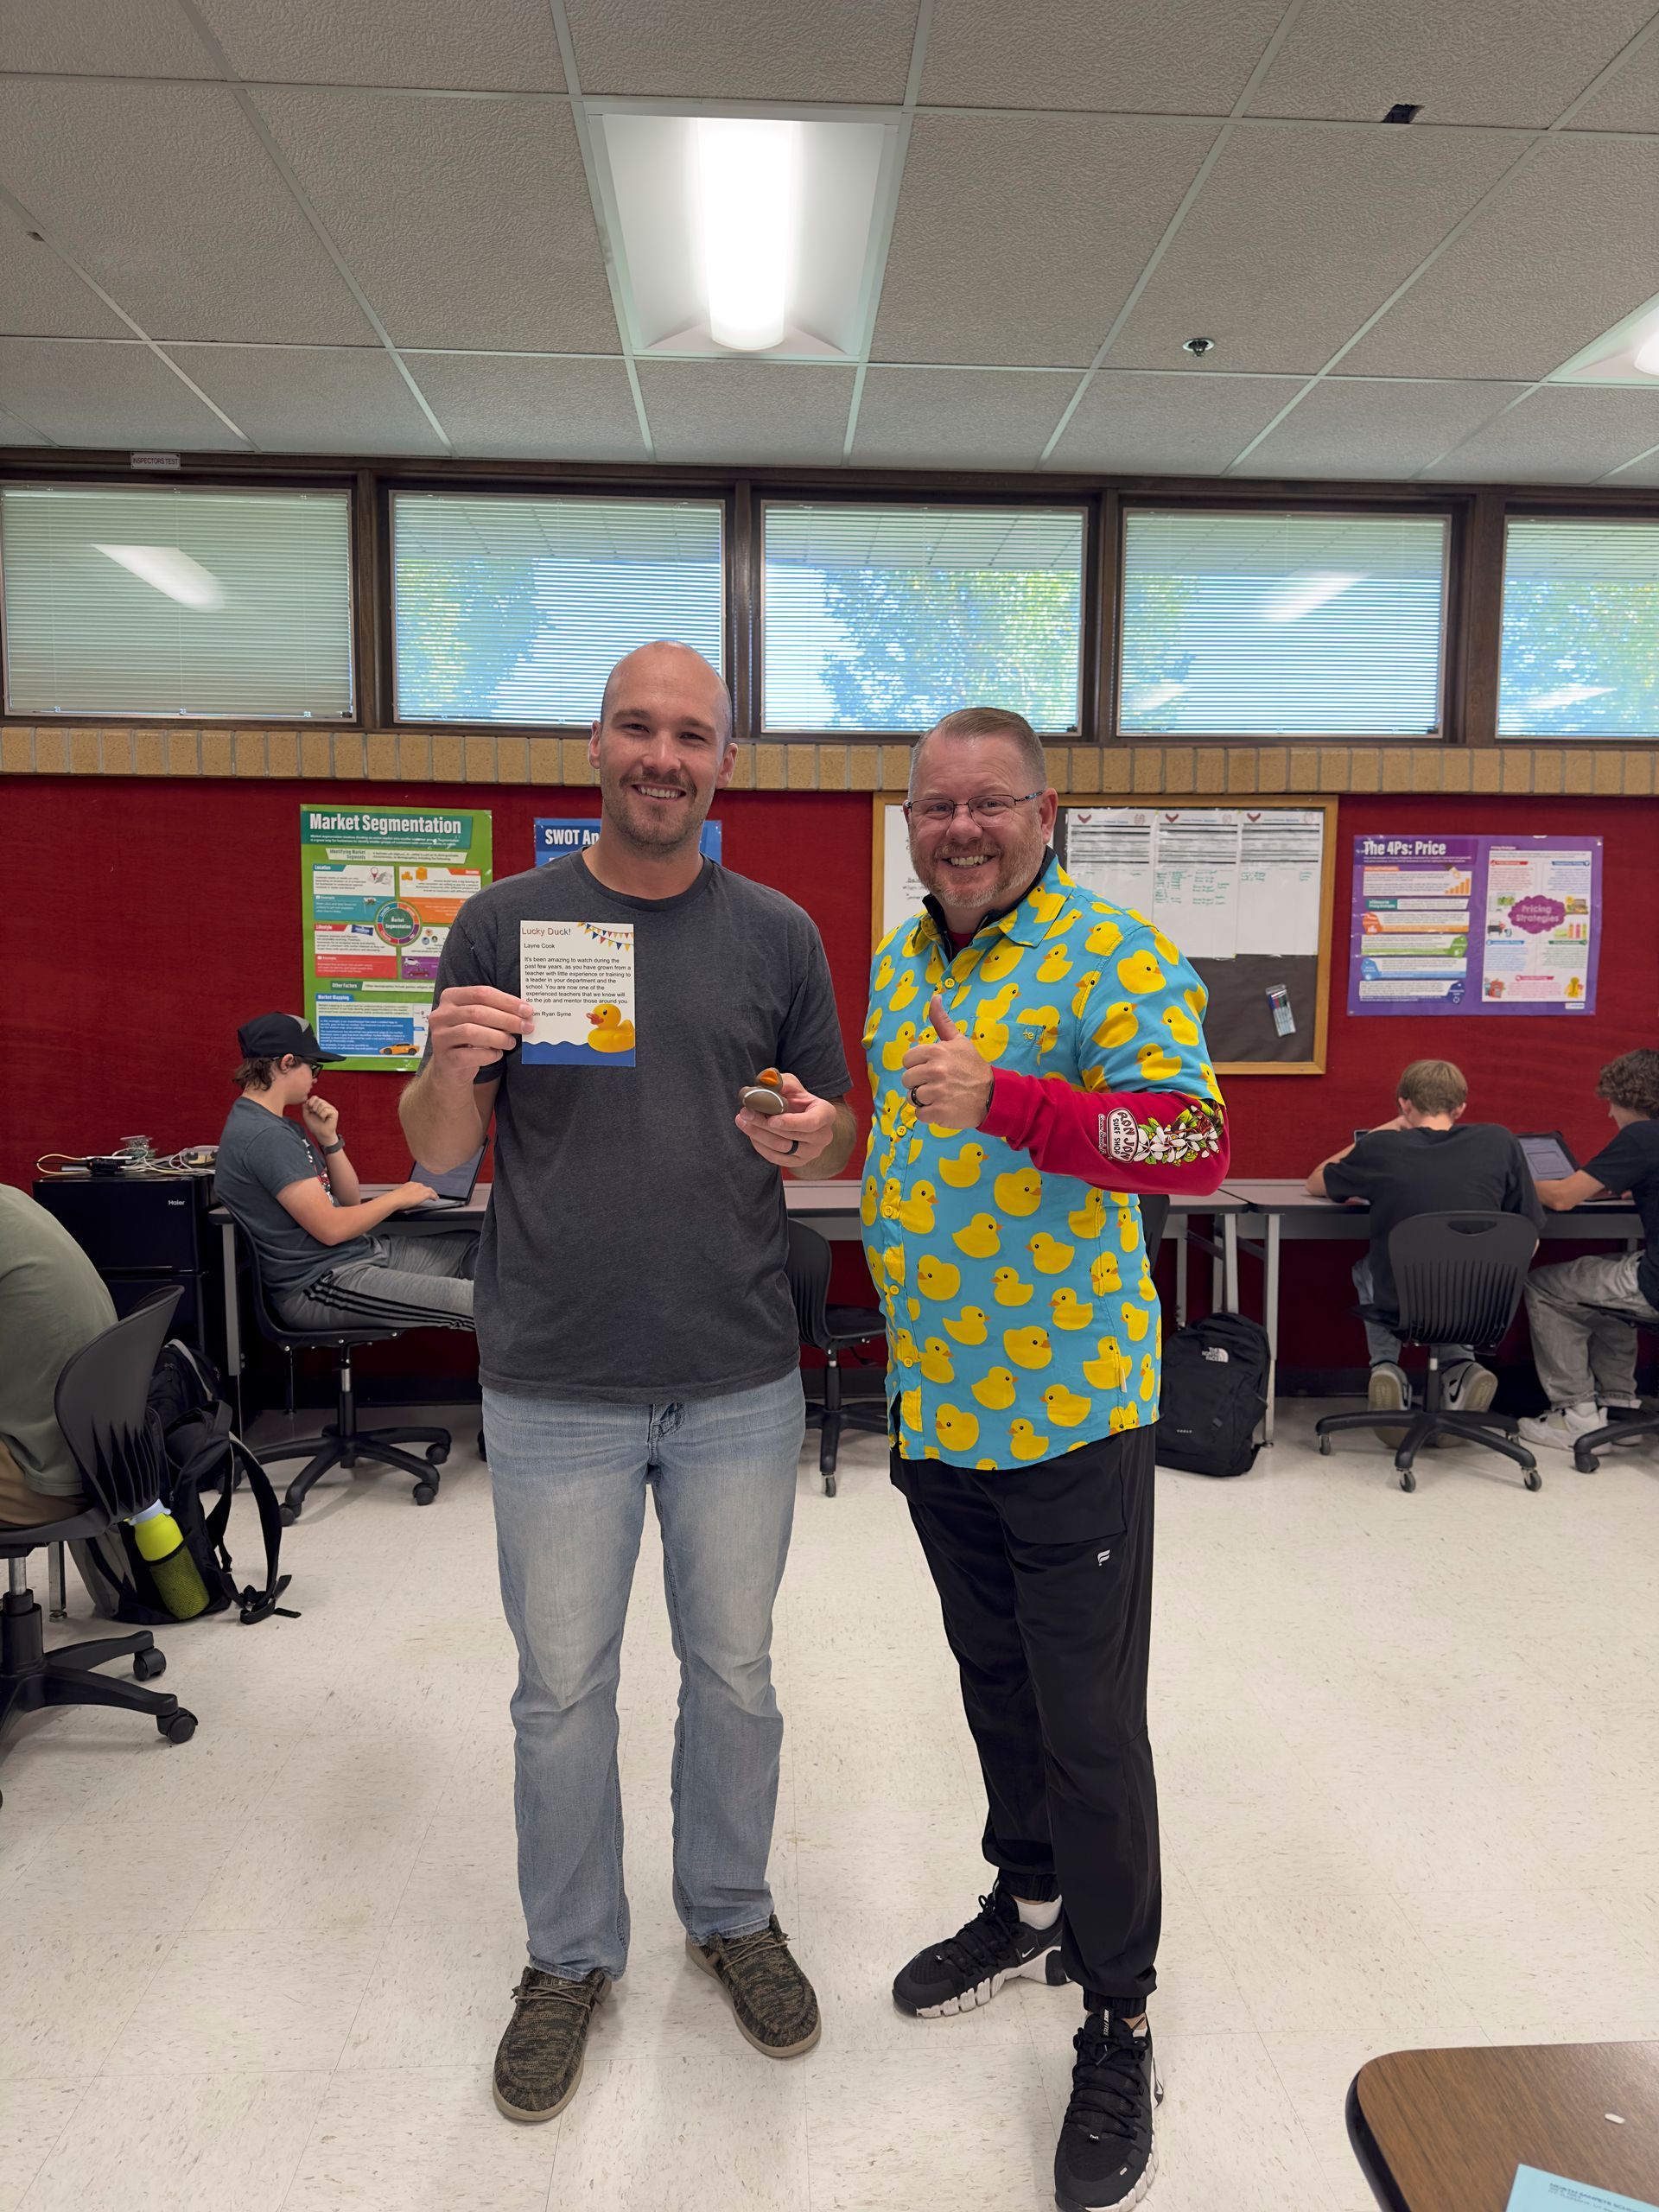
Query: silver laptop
(453, 1186)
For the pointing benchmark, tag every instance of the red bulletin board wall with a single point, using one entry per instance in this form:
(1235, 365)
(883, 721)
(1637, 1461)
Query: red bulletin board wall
(146, 918)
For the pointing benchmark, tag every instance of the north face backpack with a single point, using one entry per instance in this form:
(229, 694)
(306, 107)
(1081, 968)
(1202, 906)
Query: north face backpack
(1215, 1391)
(204, 1459)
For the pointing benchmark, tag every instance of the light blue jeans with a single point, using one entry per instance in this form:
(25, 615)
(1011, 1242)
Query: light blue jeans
(1381, 1341)
(570, 1478)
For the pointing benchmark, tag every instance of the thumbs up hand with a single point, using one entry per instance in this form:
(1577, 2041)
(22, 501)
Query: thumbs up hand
(949, 1083)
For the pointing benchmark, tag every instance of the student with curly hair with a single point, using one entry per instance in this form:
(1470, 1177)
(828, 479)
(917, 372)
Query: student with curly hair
(1585, 1313)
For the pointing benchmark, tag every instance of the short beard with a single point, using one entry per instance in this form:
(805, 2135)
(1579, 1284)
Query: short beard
(615, 801)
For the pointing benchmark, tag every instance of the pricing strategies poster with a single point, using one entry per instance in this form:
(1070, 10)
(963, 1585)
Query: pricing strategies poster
(379, 890)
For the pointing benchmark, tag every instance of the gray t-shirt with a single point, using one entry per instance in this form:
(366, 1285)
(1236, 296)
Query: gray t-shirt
(635, 1245)
(53, 1302)
(259, 1154)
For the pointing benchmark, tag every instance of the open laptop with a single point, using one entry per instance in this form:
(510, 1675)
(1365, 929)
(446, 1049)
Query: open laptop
(1547, 1154)
(453, 1187)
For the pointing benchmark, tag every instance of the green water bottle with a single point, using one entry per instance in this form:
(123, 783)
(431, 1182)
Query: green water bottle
(161, 1545)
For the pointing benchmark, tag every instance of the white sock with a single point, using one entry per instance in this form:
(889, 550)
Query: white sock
(1039, 1915)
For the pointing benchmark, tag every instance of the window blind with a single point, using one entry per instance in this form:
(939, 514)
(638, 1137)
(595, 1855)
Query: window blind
(882, 618)
(515, 610)
(149, 601)
(1282, 624)
(1581, 651)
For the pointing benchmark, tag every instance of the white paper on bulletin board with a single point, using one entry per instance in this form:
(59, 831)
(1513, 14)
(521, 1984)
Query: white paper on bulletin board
(902, 889)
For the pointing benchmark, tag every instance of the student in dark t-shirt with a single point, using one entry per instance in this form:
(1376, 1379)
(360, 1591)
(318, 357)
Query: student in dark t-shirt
(1427, 1160)
(1584, 1313)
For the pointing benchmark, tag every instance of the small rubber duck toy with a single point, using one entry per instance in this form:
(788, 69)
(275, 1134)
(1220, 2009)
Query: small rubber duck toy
(765, 1095)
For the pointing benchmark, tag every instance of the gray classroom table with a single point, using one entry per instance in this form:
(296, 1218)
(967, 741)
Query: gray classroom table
(1279, 1208)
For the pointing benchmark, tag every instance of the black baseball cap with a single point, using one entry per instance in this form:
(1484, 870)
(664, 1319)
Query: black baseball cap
(272, 1036)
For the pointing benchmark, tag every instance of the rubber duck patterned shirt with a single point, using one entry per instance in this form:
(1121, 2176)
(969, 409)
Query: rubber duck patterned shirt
(1022, 1316)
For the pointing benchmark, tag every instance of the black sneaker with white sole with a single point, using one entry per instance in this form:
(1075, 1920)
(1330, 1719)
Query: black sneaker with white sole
(1106, 2157)
(968, 1968)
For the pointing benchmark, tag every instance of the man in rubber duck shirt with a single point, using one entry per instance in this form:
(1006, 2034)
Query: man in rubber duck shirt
(1037, 1060)
(635, 1333)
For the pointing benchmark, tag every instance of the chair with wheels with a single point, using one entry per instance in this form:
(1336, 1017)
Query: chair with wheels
(342, 1443)
(1628, 1428)
(833, 1330)
(1457, 1279)
(101, 1403)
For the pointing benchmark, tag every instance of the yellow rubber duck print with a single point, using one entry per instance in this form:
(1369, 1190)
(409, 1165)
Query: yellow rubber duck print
(1059, 927)
(1048, 1255)
(1019, 1192)
(958, 1430)
(883, 975)
(1118, 1026)
(904, 1348)
(1079, 997)
(892, 1260)
(915, 1213)
(979, 1240)
(1128, 1228)
(1010, 1290)
(913, 1307)
(1124, 1417)
(1166, 950)
(963, 1173)
(893, 1193)
(936, 1361)
(1185, 1032)
(1045, 1021)
(1109, 1369)
(1025, 1443)
(1196, 1001)
(1156, 1064)
(1002, 960)
(910, 1409)
(1068, 1311)
(893, 1105)
(1065, 1407)
(1148, 1377)
(938, 1278)
(609, 1032)
(1027, 1347)
(893, 1054)
(1046, 905)
(1091, 1216)
(916, 1149)
(968, 1327)
(1053, 967)
(1104, 939)
(1136, 1321)
(903, 995)
(997, 1390)
(1103, 1275)
(866, 1204)
(1141, 973)
(873, 1022)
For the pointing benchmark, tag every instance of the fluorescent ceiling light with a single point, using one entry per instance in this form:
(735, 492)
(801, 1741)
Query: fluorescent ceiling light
(171, 571)
(1159, 695)
(1647, 356)
(1303, 594)
(1568, 694)
(747, 222)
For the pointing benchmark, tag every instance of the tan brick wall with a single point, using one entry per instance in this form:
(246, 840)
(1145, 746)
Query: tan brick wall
(485, 757)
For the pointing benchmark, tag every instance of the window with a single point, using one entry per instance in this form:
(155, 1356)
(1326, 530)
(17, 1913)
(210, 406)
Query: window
(1243, 624)
(1580, 655)
(886, 618)
(141, 601)
(516, 610)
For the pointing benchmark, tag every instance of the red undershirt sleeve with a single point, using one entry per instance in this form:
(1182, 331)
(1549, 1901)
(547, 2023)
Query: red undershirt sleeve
(1140, 1140)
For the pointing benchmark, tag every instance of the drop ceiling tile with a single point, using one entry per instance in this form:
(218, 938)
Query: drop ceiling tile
(1631, 99)
(1562, 254)
(1124, 55)
(103, 38)
(164, 193)
(993, 261)
(81, 392)
(1519, 61)
(1175, 425)
(41, 297)
(1563, 434)
(1645, 471)
(1348, 426)
(489, 45)
(312, 398)
(744, 49)
(467, 223)
(510, 407)
(1299, 235)
(759, 412)
(959, 418)
(13, 431)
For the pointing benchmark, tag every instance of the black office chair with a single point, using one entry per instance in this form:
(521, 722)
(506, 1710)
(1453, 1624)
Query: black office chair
(342, 1443)
(1458, 1279)
(1628, 1428)
(833, 1330)
(101, 1403)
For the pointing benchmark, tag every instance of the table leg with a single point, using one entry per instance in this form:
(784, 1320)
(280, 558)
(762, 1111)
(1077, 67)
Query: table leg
(1179, 1223)
(233, 1318)
(57, 1585)
(1229, 1260)
(1272, 1317)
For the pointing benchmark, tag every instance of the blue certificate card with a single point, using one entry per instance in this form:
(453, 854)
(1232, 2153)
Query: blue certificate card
(1540, 2192)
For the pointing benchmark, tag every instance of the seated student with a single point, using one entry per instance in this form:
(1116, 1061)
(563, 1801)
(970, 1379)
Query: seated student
(1582, 1313)
(1427, 1160)
(53, 1303)
(304, 1214)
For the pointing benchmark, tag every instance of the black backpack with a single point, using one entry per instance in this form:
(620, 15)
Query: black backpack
(1215, 1391)
(204, 1458)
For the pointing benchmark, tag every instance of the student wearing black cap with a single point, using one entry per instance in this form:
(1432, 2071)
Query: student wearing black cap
(296, 1192)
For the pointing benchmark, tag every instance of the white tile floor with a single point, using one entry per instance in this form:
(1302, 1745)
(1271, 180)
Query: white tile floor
(1407, 1753)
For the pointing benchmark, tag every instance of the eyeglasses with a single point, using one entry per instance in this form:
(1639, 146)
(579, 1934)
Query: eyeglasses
(936, 813)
